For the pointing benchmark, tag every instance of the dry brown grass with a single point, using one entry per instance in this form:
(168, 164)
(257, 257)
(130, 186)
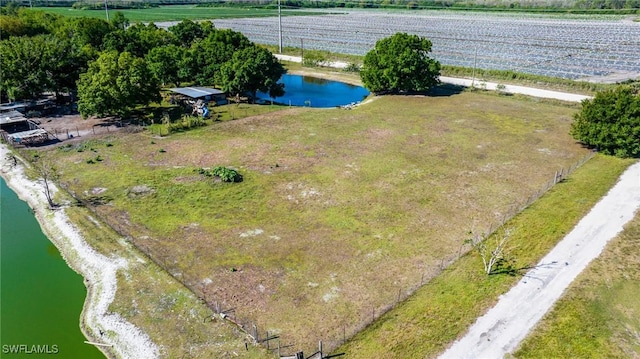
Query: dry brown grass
(340, 212)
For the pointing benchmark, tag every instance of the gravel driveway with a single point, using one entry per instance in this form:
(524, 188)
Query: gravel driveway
(504, 326)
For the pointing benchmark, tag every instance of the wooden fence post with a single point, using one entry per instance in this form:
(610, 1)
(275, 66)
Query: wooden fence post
(255, 332)
(344, 334)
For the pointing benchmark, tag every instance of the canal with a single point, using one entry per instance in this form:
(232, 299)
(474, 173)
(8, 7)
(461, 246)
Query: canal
(41, 298)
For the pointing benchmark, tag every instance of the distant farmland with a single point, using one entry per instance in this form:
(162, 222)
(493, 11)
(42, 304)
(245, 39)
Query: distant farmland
(174, 13)
(559, 46)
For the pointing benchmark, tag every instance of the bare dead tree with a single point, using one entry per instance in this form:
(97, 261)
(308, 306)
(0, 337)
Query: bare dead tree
(48, 174)
(12, 159)
(491, 249)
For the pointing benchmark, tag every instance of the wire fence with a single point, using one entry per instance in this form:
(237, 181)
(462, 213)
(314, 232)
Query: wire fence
(393, 298)
(273, 342)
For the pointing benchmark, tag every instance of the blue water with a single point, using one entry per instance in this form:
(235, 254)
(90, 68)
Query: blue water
(41, 297)
(314, 92)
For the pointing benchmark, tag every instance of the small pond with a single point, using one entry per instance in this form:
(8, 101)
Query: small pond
(315, 92)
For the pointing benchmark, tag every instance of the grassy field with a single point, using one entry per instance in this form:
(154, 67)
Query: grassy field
(599, 315)
(178, 322)
(174, 13)
(341, 212)
(442, 310)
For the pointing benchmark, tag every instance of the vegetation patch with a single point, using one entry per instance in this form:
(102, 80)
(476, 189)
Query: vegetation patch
(598, 314)
(442, 310)
(148, 297)
(367, 203)
(223, 173)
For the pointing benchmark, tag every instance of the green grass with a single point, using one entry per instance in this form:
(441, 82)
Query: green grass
(174, 13)
(598, 316)
(340, 211)
(441, 311)
(147, 296)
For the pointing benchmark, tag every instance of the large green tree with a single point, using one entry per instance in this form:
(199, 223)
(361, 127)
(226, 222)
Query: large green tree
(209, 54)
(610, 122)
(252, 69)
(85, 33)
(30, 66)
(115, 84)
(400, 64)
(138, 39)
(169, 64)
(187, 32)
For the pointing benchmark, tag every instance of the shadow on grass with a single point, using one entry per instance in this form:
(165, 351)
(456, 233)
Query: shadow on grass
(445, 90)
(442, 90)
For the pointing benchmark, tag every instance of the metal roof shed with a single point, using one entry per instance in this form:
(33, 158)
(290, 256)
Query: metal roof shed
(10, 117)
(204, 93)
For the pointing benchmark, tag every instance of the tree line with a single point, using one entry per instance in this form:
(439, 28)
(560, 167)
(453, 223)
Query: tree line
(607, 6)
(115, 66)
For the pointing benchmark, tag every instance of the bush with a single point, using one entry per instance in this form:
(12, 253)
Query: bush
(610, 122)
(224, 173)
(313, 58)
(227, 174)
(352, 67)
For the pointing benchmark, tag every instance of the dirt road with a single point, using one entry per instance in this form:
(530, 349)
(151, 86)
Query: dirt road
(503, 327)
(513, 89)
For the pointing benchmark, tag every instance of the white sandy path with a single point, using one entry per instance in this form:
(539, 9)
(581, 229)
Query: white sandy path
(513, 89)
(503, 327)
(98, 270)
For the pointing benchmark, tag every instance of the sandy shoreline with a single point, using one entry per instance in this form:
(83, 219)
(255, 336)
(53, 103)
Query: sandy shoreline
(99, 271)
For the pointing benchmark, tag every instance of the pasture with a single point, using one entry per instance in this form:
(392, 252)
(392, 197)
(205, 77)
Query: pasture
(341, 212)
(442, 310)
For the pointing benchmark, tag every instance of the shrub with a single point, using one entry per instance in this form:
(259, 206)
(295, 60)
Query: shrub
(610, 122)
(352, 67)
(227, 174)
(224, 173)
(312, 58)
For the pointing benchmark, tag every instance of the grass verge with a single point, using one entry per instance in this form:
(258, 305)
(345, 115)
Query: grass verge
(440, 311)
(599, 315)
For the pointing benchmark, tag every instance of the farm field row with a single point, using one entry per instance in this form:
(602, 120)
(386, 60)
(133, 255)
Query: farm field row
(173, 12)
(574, 48)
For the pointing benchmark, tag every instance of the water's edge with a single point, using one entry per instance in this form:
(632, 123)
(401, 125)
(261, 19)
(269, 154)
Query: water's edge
(98, 271)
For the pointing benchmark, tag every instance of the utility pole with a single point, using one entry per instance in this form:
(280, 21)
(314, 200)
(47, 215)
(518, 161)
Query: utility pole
(474, 67)
(279, 28)
(106, 9)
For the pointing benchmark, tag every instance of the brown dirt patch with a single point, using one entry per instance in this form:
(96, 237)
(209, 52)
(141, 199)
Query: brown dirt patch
(73, 128)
